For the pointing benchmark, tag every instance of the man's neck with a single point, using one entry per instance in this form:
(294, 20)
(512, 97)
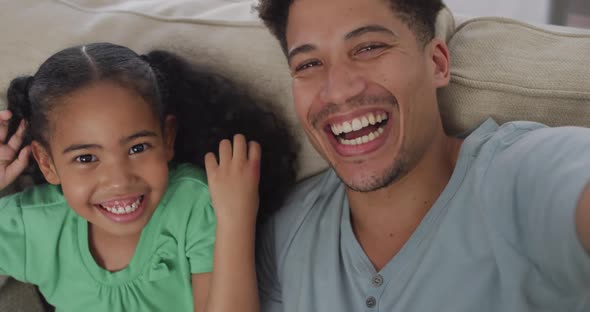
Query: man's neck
(385, 219)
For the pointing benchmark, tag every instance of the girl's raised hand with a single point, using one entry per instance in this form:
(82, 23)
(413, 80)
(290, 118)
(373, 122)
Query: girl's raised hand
(11, 166)
(233, 181)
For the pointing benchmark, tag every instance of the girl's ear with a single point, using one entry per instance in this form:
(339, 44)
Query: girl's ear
(169, 135)
(45, 163)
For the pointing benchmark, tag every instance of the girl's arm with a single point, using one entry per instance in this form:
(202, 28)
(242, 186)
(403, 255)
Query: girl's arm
(233, 184)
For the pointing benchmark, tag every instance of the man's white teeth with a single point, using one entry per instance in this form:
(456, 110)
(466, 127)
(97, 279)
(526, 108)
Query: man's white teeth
(364, 139)
(117, 208)
(358, 123)
(364, 121)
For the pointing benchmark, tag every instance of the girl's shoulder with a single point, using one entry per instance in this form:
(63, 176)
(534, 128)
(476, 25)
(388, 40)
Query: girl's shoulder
(37, 196)
(186, 184)
(188, 196)
(185, 173)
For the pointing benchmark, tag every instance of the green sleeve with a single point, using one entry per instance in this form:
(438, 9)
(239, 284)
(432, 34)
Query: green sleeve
(12, 238)
(200, 236)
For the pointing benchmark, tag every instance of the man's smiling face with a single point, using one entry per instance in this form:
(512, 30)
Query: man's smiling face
(364, 88)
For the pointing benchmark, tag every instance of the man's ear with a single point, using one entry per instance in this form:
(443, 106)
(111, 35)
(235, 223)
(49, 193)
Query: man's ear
(169, 135)
(45, 163)
(441, 61)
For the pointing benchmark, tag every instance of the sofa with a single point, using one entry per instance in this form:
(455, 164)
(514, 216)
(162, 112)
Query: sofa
(501, 68)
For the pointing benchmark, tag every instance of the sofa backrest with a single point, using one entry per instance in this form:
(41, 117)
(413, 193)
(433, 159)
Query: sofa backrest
(509, 70)
(500, 68)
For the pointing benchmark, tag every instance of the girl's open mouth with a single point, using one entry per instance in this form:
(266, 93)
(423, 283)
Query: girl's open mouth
(123, 210)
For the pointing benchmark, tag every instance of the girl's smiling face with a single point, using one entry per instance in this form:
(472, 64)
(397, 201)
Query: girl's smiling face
(109, 152)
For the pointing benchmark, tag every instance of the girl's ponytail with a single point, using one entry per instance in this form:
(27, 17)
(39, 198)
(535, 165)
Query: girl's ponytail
(210, 108)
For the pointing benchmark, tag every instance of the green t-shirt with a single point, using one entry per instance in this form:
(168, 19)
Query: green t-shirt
(44, 242)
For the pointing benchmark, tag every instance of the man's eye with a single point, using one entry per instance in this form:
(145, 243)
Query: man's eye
(138, 148)
(369, 48)
(307, 65)
(86, 158)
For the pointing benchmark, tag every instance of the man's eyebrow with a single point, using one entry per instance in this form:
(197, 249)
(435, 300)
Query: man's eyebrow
(355, 33)
(300, 49)
(140, 134)
(367, 29)
(76, 147)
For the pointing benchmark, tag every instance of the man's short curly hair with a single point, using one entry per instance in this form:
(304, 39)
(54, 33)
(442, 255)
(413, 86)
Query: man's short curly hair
(419, 15)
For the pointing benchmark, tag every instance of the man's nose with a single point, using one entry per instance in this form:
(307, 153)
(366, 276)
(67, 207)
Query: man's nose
(342, 83)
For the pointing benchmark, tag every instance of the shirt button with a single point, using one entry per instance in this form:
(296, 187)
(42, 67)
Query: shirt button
(377, 280)
(371, 302)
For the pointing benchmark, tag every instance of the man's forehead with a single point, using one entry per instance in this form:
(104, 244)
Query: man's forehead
(310, 17)
(314, 20)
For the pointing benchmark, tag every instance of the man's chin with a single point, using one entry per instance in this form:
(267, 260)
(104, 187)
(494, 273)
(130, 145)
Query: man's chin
(367, 184)
(371, 182)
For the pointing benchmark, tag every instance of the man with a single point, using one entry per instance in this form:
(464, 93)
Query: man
(409, 219)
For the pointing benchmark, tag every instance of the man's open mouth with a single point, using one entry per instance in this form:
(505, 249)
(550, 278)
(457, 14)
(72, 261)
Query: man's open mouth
(359, 130)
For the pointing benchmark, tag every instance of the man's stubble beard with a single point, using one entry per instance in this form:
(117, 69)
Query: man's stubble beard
(397, 170)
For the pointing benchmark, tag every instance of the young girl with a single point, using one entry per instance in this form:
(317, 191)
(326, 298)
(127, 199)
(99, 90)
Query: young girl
(124, 224)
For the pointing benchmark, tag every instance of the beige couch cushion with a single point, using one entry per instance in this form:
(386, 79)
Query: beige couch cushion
(222, 33)
(514, 71)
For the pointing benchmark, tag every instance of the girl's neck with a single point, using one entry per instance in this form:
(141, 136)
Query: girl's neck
(111, 252)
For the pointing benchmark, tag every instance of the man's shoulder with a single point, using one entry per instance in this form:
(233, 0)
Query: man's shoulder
(522, 141)
(519, 155)
(305, 204)
(307, 193)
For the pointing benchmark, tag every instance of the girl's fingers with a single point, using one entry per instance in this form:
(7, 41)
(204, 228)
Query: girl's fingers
(7, 154)
(210, 163)
(240, 152)
(5, 116)
(18, 165)
(225, 152)
(254, 151)
(17, 139)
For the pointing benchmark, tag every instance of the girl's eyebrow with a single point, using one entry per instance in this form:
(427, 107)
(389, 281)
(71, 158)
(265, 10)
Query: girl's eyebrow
(140, 134)
(76, 147)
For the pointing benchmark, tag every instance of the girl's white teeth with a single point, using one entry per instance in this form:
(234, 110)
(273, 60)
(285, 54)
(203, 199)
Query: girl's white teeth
(117, 208)
(358, 123)
(364, 139)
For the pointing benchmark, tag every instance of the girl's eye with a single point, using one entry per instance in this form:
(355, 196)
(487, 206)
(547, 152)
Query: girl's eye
(307, 65)
(86, 158)
(138, 148)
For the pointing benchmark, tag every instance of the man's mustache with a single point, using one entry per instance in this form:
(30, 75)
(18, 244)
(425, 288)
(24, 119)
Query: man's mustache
(352, 103)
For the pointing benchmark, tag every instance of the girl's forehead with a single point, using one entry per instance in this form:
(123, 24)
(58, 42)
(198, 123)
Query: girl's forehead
(101, 110)
(102, 98)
